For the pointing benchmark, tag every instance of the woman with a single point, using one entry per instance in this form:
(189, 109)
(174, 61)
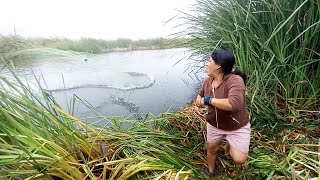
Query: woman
(223, 92)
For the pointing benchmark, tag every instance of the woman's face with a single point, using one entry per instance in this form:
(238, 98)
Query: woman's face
(212, 68)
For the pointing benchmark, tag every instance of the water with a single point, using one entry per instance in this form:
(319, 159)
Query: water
(118, 84)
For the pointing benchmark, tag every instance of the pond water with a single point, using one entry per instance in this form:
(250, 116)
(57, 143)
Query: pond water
(119, 83)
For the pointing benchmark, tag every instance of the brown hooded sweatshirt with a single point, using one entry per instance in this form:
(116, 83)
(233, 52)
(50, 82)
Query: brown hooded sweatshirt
(233, 88)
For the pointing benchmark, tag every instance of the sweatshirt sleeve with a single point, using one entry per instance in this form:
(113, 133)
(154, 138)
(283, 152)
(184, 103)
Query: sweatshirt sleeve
(236, 93)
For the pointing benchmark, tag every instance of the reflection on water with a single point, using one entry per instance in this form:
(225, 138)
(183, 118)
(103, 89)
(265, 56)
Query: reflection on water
(101, 79)
(117, 84)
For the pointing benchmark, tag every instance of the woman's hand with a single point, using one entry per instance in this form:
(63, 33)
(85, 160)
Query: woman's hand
(199, 111)
(199, 101)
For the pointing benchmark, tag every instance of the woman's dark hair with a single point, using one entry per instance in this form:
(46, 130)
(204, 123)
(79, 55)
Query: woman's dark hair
(226, 60)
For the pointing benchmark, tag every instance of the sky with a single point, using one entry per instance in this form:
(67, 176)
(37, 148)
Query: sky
(106, 19)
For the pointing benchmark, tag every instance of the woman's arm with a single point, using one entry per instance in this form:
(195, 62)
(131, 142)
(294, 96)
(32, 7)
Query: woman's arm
(223, 104)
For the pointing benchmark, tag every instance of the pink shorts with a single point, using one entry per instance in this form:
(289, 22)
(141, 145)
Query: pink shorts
(239, 139)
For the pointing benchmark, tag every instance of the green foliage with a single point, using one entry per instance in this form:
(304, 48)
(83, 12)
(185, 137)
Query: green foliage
(275, 42)
(10, 44)
(39, 140)
(89, 45)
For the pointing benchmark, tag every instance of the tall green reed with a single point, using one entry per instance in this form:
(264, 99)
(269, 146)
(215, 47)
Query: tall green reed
(275, 42)
(39, 140)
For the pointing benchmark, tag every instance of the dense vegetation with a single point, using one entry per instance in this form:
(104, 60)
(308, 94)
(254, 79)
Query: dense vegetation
(275, 42)
(89, 45)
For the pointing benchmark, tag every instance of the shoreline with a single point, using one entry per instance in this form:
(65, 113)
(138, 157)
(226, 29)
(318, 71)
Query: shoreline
(10, 44)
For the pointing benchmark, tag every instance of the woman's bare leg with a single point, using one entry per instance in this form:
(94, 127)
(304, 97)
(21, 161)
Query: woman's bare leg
(212, 154)
(238, 156)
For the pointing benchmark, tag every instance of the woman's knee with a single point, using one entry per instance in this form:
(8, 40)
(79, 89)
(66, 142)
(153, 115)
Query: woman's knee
(213, 147)
(238, 156)
(240, 159)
